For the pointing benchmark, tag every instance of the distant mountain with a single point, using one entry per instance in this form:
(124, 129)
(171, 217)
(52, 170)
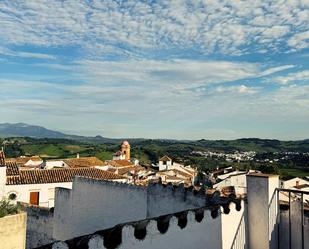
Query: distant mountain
(25, 130)
(34, 131)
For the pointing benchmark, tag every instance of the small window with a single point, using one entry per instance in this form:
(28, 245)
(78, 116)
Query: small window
(12, 196)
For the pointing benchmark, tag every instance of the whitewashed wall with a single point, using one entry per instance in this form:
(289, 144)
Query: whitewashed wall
(197, 235)
(230, 224)
(47, 192)
(95, 205)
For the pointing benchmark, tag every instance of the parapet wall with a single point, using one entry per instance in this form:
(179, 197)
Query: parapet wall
(13, 231)
(94, 205)
(190, 229)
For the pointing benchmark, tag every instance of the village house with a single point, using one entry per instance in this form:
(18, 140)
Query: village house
(37, 186)
(176, 173)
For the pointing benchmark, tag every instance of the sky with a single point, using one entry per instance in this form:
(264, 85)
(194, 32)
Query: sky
(157, 69)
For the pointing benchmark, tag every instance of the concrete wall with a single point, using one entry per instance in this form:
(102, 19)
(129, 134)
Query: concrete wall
(13, 231)
(47, 192)
(39, 226)
(95, 205)
(183, 232)
(260, 190)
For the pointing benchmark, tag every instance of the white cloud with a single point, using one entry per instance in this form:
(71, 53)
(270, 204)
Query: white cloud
(242, 89)
(299, 41)
(291, 78)
(9, 52)
(221, 27)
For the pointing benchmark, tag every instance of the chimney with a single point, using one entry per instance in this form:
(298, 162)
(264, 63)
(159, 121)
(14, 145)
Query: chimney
(297, 184)
(77, 155)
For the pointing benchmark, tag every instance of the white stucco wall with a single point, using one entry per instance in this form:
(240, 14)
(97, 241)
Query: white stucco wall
(239, 183)
(166, 166)
(205, 234)
(46, 196)
(229, 225)
(55, 163)
(95, 205)
(260, 189)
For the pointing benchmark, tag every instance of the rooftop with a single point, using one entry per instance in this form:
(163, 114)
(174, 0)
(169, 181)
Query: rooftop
(83, 162)
(57, 175)
(119, 163)
(165, 158)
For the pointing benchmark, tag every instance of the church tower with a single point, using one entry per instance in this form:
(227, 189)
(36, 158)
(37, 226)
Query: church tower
(125, 150)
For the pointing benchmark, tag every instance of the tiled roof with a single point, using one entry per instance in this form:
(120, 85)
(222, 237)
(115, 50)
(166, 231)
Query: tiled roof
(36, 158)
(58, 175)
(165, 158)
(19, 160)
(122, 171)
(300, 186)
(119, 163)
(2, 158)
(11, 168)
(83, 162)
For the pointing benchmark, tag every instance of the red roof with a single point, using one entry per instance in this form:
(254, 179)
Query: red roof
(58, 175)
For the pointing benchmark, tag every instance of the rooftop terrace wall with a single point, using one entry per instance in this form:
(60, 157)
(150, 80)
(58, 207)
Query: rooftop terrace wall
(95, 205)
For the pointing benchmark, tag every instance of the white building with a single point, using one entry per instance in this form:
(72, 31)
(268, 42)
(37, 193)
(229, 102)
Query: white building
(295, 184)
(165, 163)
(37, 187)
(237, 179)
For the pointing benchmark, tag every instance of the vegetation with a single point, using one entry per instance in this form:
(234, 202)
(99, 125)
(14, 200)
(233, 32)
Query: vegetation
(149, 151)
(7, 208)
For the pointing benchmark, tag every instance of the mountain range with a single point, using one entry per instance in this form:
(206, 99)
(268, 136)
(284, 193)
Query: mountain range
(35, 131)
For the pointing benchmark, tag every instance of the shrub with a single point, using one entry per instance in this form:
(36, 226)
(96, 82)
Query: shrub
(6, 208)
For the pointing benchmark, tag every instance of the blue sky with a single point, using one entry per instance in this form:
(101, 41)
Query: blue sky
(157, 69)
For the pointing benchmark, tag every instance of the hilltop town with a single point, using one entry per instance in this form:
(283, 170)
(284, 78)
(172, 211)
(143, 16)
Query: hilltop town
(38, 185)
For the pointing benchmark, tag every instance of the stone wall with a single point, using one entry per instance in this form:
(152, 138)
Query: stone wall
(13, 231)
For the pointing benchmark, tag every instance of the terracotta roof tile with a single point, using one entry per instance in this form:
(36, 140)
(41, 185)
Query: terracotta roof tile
(58, 175)
(83, 162)
(122, 171)
(11, 168)
(165, 158)
(120, 163)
